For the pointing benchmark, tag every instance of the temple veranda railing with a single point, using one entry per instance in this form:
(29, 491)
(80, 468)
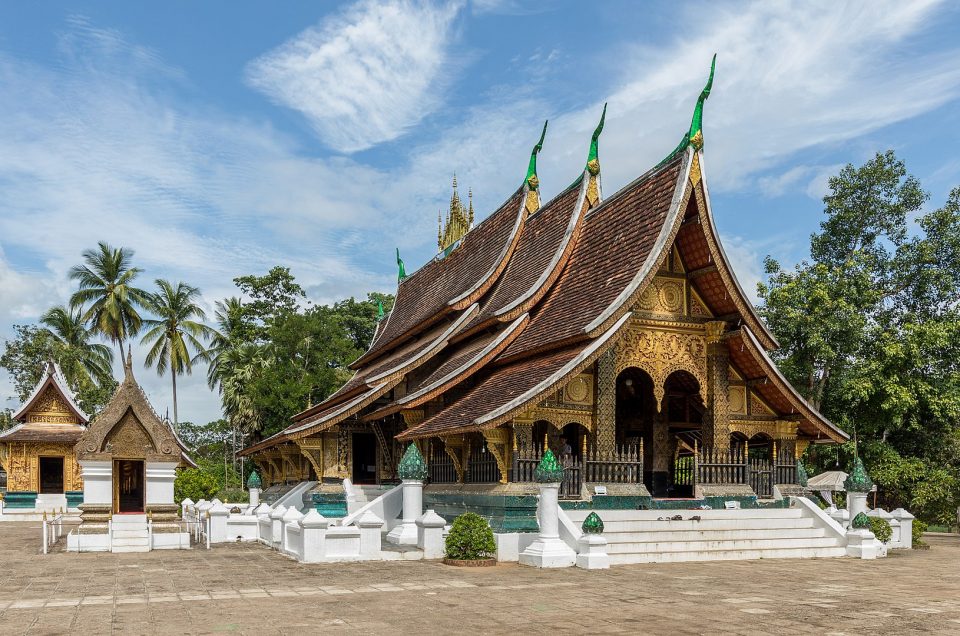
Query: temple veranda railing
(624, 465)
(735, 466)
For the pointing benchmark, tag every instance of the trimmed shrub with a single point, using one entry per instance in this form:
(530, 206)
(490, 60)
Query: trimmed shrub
(194, 483)
(233, 495)
(881, 529)
(918, 529)
(470, 538)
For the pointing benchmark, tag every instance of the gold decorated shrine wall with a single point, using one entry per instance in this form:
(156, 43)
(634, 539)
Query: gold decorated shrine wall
(21, 461)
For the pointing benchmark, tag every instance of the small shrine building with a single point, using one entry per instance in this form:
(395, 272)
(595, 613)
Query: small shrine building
(37, 452)
(611, 329)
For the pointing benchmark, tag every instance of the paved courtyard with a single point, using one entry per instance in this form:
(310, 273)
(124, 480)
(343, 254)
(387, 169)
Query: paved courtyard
(251, 590)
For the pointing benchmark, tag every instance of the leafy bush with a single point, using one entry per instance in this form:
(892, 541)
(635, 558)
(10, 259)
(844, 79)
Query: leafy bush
(470, 538)
(881, 529)
(194, 483)
(232, 495)
(918, 529)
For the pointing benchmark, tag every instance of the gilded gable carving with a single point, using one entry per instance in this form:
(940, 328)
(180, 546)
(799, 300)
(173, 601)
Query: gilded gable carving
(128, 439)
(51, 407)
(579, 390)
(663, 296)
(660, 353)
(737, 399)
(758, 407)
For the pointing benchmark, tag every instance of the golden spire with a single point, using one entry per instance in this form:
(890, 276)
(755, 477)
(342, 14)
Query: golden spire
(459, 220)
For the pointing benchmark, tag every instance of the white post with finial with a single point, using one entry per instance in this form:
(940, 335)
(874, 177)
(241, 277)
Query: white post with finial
(549, 550)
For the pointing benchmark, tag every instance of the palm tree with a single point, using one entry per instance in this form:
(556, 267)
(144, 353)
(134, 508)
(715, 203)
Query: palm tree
(229, 317)
(240, 367)
(105, 282)
(173, 332)
(82, 362)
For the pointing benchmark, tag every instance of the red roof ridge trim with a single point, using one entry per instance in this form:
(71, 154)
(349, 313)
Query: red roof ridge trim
(492, 349)
(490, 277)
(585, 357)
(552, 270)
(649, 269)
(726, 272)
(782, 383)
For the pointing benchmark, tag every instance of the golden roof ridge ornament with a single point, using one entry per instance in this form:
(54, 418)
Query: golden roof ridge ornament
(459, 221)
(594, 190)
(531, 182)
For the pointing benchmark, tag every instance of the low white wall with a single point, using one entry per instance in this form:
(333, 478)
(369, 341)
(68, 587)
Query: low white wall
(242, 527)
(511, 544)
(88, 542)
(387, 506)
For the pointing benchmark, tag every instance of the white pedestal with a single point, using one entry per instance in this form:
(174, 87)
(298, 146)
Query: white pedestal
(430, 535)
(593, 552)
(406, 532)
(862, 544)
(548, 550)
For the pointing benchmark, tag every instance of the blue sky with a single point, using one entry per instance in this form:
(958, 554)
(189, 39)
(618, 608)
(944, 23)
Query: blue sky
(218, 139)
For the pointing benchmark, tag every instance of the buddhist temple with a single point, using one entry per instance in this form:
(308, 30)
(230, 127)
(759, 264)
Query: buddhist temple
(609, 329)
(37, 452)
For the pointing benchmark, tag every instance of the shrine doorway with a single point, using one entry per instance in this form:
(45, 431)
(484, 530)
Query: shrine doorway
(364, 458)
(635, 414)
(51, 475)
(129, 486)
(683, 410)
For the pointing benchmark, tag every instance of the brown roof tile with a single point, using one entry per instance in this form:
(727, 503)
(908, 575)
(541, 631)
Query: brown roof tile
(614, 243)
(43, 432)
(426, 295)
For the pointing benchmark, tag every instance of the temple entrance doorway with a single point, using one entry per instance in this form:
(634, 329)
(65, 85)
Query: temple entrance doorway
(683, 409)
(51, 475)
(635, 415)
(129, 486)
(364, 458)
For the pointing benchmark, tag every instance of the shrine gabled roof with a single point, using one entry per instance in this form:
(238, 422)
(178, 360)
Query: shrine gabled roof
(749, 355)
(503, 392)
(43, 432)
(617, 253)
(52, 376)
(452, 283)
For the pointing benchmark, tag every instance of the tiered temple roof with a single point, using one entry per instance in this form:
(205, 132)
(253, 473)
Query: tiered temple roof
(533, 295)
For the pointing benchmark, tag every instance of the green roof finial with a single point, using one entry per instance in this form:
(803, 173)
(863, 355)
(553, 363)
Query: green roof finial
(548, 471)
(531, 179)
(593, 161)
(401, 270)
(695, 136)
(380, 313)
(858, 480)
(411, 465)
(254, 481)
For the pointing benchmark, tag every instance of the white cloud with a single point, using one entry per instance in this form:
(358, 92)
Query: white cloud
(365, 76)
(811, 180)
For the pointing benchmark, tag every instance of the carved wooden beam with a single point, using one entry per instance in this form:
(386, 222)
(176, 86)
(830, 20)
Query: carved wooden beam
(456, 447)
(702, 271)
(498, 443)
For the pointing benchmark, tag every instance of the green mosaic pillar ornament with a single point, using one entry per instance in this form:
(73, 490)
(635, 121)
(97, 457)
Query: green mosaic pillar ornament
(858, 480)
(412, 466)
(549, 470)
(695, 135)
(254, 481)
(861, 522)
(593, 524)
(802, 478)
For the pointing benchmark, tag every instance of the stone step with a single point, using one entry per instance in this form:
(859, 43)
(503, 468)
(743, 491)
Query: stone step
(730, 544)
(713, 535)
(124, 534)
(124, 519)
(131, 542)
(727, 555)
(130, 548)
(706, 524)
(652, 515)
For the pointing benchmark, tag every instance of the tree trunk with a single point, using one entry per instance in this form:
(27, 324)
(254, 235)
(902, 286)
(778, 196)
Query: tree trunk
(173, 377)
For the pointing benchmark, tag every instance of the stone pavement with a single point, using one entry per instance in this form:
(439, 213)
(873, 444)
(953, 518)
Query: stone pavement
(250, 590)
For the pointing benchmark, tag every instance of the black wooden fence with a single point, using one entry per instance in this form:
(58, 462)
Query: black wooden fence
(735, 466)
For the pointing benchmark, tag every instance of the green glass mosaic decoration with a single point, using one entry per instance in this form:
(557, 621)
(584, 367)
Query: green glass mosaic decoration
(254, 481)
(549, 470)
(861, 521)
(802, 478)
(593, 524)
(858, 480)
(412, 465)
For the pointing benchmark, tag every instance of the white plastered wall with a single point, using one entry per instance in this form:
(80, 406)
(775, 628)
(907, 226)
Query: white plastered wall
(160, 476)
(97, 481)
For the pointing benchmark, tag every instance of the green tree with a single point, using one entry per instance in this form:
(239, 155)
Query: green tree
(83, 363)
(174, 332)
(870, 329)
(107, 294)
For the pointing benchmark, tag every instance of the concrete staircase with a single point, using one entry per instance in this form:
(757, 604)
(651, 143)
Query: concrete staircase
(650, 536)
(130, 534)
